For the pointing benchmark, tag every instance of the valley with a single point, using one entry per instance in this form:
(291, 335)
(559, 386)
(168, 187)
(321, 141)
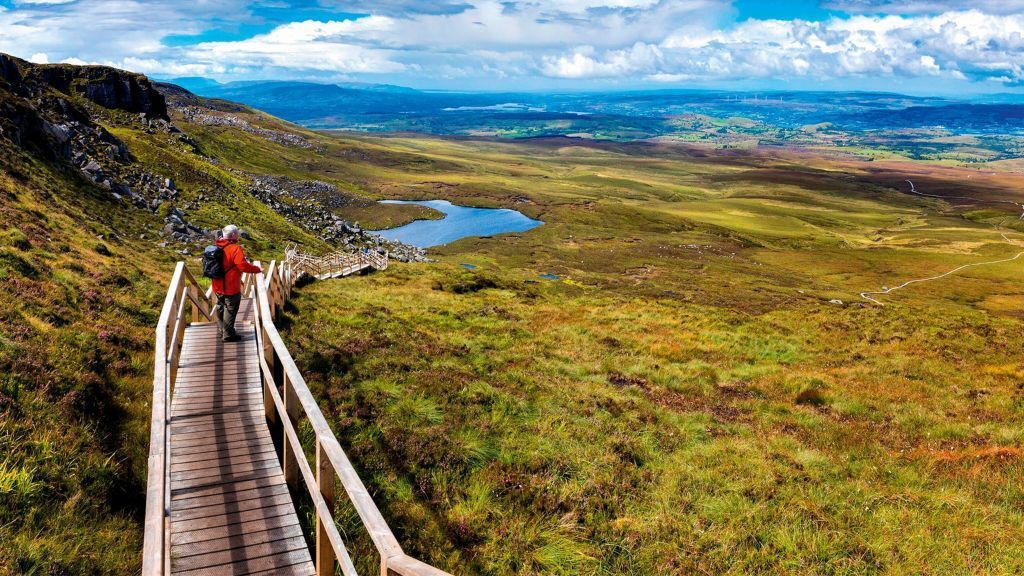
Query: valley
(674, 374)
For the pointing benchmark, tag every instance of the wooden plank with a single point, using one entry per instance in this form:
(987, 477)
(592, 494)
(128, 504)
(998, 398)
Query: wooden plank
(194, 360)
(224, 489)
(183, 486)
(223, 509)
(217, 476)
(187, 452)
(213, 412)
(197, 453)
(196, 536)
(188, 380)
(216, 395)
(228, 518)
(250, 380)
(199, 401)
(226, 432)
(225, 497)
(216, 463)
(239, 539)
(249, 433)
(219, 461)
(218, 367)
(212, 389)
(186, 426)
(292, 562)
(253, 394)
(192, 453)
(236, 556)
(201, 404)
(213, 345)
(215, 417)
(260, 477)
(226, 436)
(212, 473)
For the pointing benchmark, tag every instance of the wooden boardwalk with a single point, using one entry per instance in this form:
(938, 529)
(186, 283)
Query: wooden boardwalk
(231, 512)
(225, 456)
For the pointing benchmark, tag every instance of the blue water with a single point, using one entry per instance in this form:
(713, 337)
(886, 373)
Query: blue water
(459, 222)
(549, 276)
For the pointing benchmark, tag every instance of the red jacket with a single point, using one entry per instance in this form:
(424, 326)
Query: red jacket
(235, 265)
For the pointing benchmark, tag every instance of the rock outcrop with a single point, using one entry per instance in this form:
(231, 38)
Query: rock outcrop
(51, 111)
(107, 87)
(10, 71)
(205, 117)
(300, 201)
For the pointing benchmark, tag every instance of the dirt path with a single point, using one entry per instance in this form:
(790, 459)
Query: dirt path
(885, 290)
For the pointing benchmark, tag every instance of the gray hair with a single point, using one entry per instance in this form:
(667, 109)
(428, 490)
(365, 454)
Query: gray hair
(230, 231)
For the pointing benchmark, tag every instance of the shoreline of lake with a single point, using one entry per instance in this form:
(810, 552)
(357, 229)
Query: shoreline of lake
(459, 222)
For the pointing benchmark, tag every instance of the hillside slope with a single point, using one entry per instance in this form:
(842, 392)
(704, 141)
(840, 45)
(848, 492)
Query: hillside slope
(105, 181)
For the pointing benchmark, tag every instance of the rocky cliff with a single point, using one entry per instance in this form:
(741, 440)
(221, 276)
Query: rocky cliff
(59, 112)
(107, 87)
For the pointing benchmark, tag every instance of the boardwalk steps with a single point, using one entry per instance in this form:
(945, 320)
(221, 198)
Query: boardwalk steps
(225, 457)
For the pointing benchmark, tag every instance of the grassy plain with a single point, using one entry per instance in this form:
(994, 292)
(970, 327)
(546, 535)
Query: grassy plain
(686, 398)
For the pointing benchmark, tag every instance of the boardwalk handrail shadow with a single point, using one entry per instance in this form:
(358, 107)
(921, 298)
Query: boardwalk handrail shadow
(286, 398)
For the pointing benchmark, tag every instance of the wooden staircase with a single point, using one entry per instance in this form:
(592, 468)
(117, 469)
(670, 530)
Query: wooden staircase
(225, 458)
(336, 265)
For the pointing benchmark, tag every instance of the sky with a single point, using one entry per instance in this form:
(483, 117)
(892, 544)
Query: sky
(915, 46)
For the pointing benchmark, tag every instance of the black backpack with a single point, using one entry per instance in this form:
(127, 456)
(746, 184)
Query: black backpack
(213, 262)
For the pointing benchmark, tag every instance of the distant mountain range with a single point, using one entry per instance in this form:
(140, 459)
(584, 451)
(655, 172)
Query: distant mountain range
(724, 118)
(353, 105)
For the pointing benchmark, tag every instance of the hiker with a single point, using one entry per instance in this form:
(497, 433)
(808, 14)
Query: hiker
(228, 287)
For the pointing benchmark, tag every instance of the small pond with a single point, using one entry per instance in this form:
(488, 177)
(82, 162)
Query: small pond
(459, 222)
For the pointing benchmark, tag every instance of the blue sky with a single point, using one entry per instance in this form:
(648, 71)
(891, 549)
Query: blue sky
(916, 46)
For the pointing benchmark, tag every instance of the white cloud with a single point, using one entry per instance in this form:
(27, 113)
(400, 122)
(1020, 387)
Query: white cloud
(310, 45)
(956, 45)
(925, 6)
(583, 63)
(98, 30)
(630, 40)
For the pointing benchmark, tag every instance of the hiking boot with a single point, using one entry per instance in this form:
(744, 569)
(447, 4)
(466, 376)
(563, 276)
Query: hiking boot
(232, 338)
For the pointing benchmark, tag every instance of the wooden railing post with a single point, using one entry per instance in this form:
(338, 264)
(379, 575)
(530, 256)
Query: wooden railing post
(268, 380)
(325, 557)
(291, 408)
(194, 292)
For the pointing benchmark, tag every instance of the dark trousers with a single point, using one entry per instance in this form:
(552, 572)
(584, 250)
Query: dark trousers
(227, 309)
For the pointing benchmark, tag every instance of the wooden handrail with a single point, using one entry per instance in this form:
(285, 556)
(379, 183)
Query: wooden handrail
(335, 263)
(332, 462)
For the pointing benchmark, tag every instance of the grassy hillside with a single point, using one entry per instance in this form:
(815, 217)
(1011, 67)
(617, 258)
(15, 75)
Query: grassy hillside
(683, 398)
(701, 390)
(83, 271)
